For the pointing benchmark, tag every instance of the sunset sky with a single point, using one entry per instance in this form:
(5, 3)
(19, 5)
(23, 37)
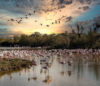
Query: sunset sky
(44, 16)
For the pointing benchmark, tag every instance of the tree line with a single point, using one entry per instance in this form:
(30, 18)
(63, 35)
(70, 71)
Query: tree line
(80, 37)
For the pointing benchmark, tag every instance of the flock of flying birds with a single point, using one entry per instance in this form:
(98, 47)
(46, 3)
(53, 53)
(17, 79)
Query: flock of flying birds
(58, 21)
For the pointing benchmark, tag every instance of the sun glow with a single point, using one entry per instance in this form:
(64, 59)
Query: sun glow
(44, 22)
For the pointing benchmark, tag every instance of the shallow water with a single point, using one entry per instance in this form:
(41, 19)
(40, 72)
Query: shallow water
(79, 74)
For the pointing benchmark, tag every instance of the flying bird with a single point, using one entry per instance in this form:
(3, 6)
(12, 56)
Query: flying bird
(48, 25)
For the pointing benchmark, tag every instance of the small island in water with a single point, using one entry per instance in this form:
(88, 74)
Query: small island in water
(8, 65)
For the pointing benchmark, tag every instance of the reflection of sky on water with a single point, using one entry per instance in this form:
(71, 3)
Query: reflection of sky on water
(76, 75)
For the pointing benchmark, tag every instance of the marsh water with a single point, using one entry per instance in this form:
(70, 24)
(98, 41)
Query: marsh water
(78, 74)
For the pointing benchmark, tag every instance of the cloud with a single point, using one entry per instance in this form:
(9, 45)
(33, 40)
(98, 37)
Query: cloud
(4, 32)
(47, 11)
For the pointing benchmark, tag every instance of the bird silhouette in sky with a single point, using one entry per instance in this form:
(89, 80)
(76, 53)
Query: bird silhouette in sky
(63, 18)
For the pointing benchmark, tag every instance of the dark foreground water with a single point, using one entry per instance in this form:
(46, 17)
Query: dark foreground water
(79, 74)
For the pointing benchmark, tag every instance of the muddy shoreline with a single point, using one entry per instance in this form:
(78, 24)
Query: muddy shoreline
(7, 65)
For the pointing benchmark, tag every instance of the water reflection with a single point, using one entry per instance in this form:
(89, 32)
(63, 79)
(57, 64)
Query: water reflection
(55, 71)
